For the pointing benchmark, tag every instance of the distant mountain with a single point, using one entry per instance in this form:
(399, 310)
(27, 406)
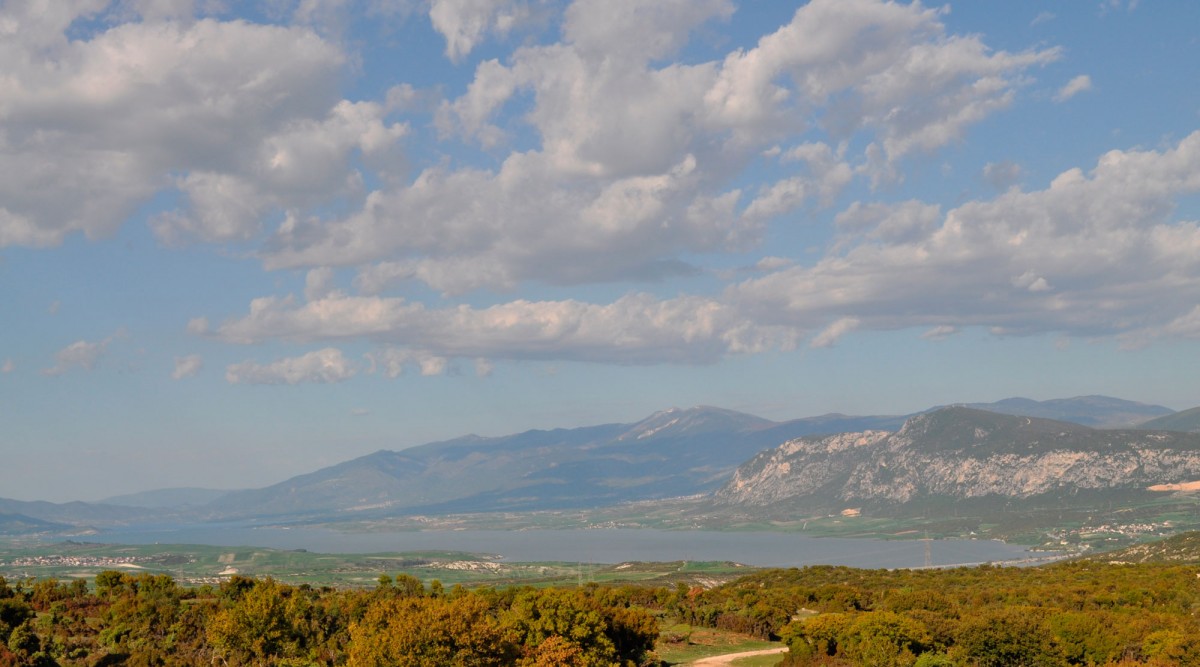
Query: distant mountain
(1187, 421)
(671, 453)
(166, 498)
(960, 454)
(1094, 411)
(19, 524)
(75, 513)
(676, 452)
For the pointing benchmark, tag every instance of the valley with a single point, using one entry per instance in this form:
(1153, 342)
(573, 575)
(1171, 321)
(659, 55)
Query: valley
(966, 472)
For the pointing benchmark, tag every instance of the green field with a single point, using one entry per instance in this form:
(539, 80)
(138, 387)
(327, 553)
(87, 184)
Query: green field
(194, 565)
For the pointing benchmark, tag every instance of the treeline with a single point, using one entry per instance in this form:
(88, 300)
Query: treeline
(147, 620)
(1073, 614)
(1084, 614)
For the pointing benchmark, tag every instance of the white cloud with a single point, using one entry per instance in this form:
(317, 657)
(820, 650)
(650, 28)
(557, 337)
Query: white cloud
(484, 367)
(474, 229)
(635, 329)
(80, 354)
(1079, 84)
(186, 367)
(940, 332)
(826, 175)
(7, 367)
(635, 161)
(1042, 17)
(318, 283)
(392, 361)
(327, 365)
(197, 326)
(885, 67)
(640, 31)
(834, 332)
(1093, 254)
(465, 23)
(221, 111)
(889, 223)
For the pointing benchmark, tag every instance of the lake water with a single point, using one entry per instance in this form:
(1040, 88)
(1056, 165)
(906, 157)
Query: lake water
(766, 549)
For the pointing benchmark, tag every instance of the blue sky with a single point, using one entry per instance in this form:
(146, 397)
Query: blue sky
(241, 241)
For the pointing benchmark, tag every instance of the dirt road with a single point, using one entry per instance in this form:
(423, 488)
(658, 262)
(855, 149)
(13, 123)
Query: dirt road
(728, 658)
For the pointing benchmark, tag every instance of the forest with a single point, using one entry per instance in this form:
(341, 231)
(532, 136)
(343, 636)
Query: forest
(1077, 613)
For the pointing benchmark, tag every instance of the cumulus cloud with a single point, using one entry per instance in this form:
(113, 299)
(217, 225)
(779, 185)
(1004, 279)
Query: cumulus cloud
(80, 354)
(318, 283)
(186, 367)
(392, 362)
(473, 229)
(322, 366)
(886, 67)
(1092, 254)
(238, 118)
(465, 23)
(635, 329)
(1079, 84)
(636, 161)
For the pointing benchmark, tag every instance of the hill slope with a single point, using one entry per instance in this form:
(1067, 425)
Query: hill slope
(1181, 548)
(959, 454)
(671, 453)
(1094, 411)
(1186, 421)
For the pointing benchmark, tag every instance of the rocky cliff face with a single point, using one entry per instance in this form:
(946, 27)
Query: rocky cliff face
(963, 453)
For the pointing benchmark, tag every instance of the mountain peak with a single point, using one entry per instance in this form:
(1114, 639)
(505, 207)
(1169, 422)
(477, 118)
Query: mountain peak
(675, 422)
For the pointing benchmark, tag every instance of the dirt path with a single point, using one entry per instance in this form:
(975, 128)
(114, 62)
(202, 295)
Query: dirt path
(728, 658)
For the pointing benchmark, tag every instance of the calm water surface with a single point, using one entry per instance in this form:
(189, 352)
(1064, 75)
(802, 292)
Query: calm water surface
(766, 549)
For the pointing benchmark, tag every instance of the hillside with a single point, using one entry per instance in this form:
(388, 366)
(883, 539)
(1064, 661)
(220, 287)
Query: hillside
(1181, 548)
(166, 498)
(962, 454)
(1093, 411)
(19, 524)
(671, 453)
(1186, 421)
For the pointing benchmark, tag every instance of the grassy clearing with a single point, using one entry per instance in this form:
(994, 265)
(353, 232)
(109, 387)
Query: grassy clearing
(683, 644)
(758, 661)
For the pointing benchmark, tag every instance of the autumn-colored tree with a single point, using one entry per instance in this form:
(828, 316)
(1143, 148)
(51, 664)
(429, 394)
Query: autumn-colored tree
(411, 631)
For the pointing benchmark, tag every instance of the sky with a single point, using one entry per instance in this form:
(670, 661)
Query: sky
(241, 241)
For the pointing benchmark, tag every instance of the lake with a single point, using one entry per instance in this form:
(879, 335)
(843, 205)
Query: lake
(616, 545)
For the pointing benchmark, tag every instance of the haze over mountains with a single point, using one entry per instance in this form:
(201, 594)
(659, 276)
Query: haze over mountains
(954, 452)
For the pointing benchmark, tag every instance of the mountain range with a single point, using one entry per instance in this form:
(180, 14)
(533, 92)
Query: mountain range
(673, 453)
(670, 453)
(962, 454)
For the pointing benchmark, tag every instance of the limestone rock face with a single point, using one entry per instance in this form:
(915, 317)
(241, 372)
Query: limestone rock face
(963, 453)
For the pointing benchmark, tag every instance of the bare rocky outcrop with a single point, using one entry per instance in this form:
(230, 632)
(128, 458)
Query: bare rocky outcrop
(963, 453)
